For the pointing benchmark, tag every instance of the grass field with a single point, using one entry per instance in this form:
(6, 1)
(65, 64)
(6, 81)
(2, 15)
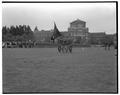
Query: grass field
(45, 70)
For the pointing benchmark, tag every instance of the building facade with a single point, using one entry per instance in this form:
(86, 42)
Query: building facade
(43, 35)
(79, 31)
(97, 38)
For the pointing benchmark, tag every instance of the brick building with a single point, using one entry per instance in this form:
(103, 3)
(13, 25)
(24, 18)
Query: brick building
(97, 38)
(43, 35)
(79, 31)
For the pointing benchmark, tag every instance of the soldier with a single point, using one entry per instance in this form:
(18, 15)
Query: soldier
(70, 48)
(59, 48)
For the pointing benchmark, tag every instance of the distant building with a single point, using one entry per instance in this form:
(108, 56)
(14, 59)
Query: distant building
(79, 31)
(97, 38)
(65, 33)
(43, 35)
(111, 38)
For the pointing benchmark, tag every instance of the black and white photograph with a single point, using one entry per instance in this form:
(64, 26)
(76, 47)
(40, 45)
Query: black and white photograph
(59, 47)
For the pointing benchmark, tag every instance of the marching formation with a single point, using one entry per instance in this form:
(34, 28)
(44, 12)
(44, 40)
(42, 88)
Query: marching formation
(64, 43)
(64, 46)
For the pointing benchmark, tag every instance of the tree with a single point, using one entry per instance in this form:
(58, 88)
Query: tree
(15, 33)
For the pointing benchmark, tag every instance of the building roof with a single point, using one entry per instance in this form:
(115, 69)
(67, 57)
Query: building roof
(65, 33)
(36, 29)
(99, 34)
(77, 21)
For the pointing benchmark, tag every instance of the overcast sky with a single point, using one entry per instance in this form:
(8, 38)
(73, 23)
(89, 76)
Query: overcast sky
(99, 17)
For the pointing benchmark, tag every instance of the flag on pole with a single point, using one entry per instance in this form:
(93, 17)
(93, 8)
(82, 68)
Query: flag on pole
(56, 32)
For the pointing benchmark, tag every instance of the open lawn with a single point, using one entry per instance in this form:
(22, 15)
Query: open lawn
(45, 70)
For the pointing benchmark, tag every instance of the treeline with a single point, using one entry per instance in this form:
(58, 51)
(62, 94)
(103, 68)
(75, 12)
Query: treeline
(17, 33)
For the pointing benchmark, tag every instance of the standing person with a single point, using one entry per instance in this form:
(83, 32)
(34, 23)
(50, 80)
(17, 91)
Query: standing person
(59, 48)
(116, 50)
(105, 45)
(23, 44)
(3, 44)
(109, 45)
(70, 48)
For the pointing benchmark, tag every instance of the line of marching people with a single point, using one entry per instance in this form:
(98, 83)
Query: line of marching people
(64, 45)
(18, 44)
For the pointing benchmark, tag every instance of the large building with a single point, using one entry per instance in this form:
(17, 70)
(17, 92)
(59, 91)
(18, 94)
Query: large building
(101, 38)
(97, 38)
(43, 35)
(79, 31)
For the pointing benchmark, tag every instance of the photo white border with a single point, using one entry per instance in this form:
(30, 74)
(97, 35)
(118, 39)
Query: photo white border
(55, 0)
